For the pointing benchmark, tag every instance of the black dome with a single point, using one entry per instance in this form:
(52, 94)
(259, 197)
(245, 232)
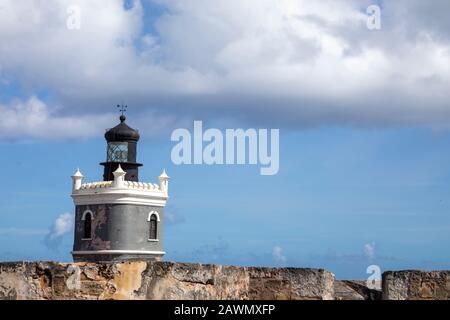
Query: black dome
(122, 132)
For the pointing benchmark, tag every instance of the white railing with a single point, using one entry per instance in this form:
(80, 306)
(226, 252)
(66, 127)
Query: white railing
(120, 183)
(127, 184)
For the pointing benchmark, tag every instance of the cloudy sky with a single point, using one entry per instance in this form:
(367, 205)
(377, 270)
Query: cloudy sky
(363, 114)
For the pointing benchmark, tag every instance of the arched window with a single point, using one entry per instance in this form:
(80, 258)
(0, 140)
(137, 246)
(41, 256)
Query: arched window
(87, 224)
(153, 227)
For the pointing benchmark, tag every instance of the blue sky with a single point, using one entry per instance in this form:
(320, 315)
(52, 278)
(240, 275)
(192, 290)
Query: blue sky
(337, 190)
(364, 148)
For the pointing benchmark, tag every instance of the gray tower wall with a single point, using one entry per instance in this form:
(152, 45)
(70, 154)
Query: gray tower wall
(118, 227)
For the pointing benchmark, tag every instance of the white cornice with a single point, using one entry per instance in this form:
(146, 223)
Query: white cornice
(119, 196)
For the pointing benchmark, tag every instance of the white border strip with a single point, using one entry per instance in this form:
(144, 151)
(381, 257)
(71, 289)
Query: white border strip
(118, 252)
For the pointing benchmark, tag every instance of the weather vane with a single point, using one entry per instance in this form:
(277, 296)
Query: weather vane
(122, 109)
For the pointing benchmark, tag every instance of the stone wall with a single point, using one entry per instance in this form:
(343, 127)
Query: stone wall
(142, 280)
(160, 280)
(416, 285)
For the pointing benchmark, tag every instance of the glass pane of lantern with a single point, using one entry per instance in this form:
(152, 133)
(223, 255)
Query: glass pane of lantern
(117, 152)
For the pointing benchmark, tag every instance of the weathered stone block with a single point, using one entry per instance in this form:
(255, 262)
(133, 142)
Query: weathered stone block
(416, 285)
(290, 284)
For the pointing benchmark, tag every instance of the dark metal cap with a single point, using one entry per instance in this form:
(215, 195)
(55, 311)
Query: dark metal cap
(122, 132)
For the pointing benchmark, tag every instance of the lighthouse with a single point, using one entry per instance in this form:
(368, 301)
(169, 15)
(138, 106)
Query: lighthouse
(119, 218)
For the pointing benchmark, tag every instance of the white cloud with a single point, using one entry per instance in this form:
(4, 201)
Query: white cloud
(284, 62)
(369, 250)
(33, 118)
(278, 256)
(62, 225)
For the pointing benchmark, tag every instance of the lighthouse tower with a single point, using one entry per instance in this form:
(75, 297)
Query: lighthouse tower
(119, 218)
